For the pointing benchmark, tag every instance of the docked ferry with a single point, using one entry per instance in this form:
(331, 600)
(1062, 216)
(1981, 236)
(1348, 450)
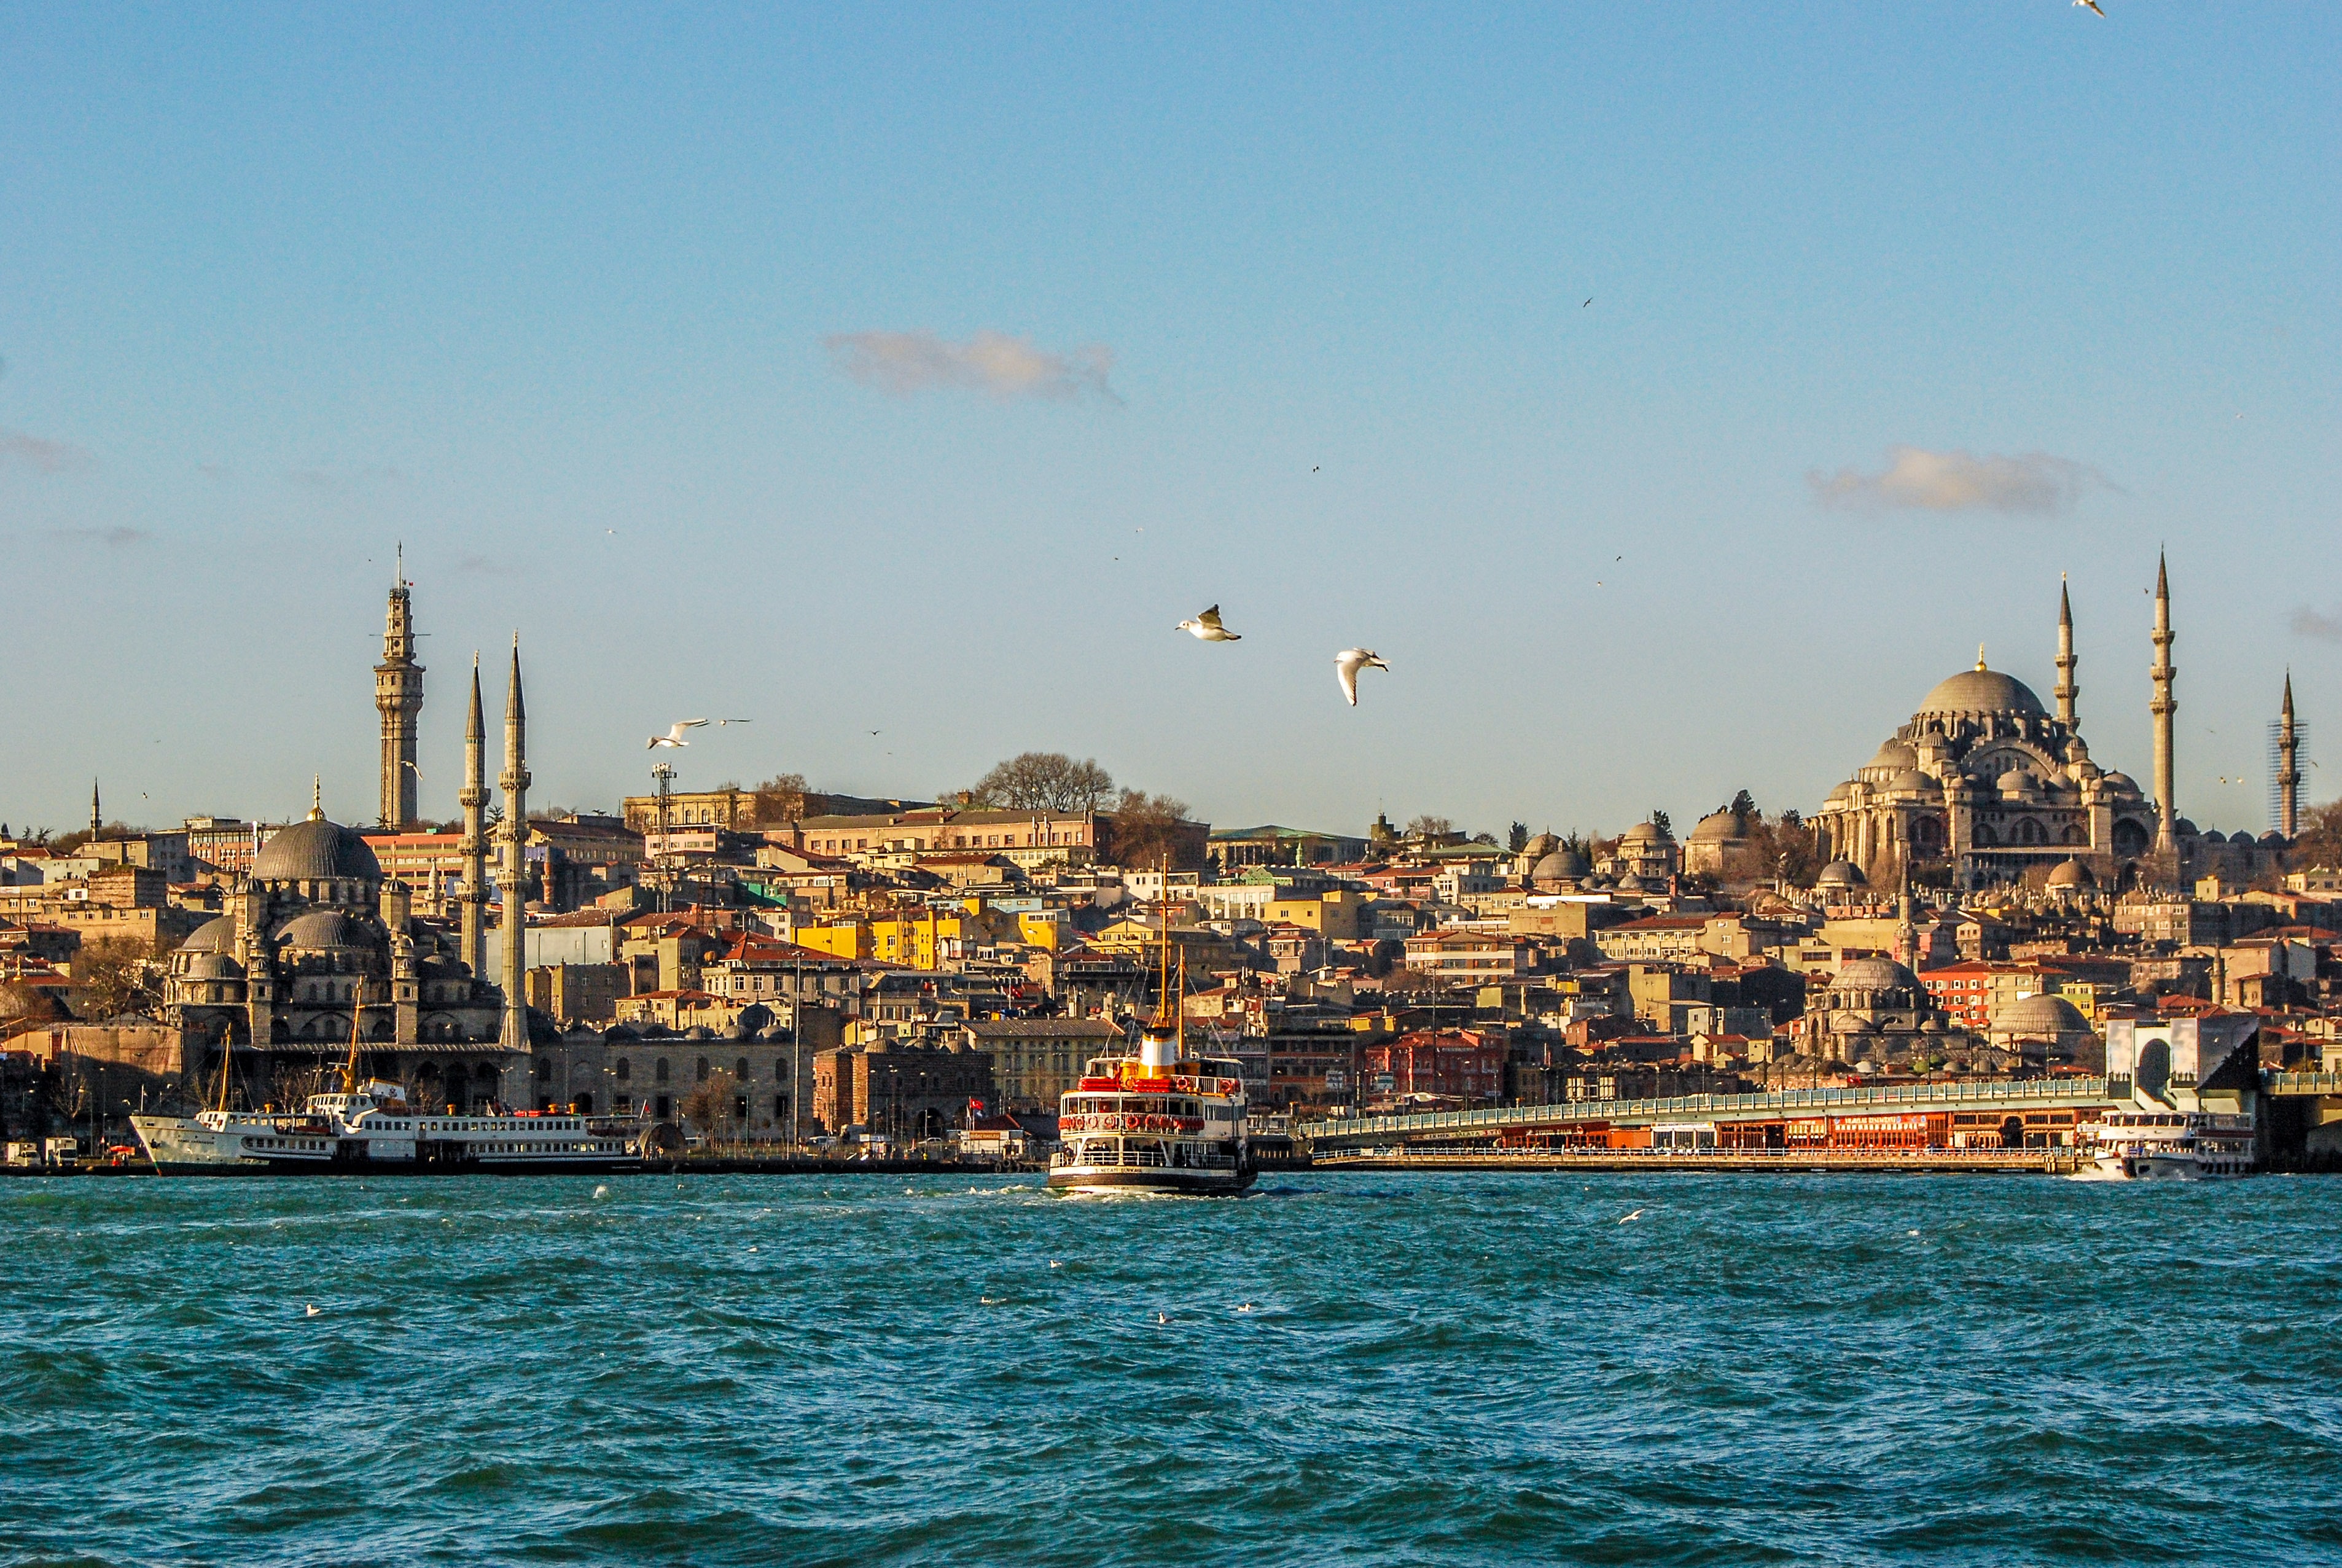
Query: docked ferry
(1157, 1121)
(2184, 1145)
(370, 1127)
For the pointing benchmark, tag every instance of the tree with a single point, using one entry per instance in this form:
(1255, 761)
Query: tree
(1517, 839)
(711, 1103)
(1487, 838)
(1788, 846)
(1744, 804)
(118, 974)
(1659, 820)
(780, 799)
(1427, 827)
(1043, 781)
(2319, 842)
(1147, 830)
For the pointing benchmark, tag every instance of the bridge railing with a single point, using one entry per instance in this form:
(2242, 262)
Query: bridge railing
(1333, 1131)
(2302, 1082)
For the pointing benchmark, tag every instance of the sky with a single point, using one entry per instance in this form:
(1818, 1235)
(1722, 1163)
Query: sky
(1671, 396)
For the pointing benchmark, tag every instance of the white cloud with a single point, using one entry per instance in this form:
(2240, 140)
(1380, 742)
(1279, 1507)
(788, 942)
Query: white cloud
(901, 364)
(1957, 481)
(48, 457)
(2310, 622)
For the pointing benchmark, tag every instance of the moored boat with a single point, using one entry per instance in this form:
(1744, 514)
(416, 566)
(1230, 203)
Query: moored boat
(2130, 1145)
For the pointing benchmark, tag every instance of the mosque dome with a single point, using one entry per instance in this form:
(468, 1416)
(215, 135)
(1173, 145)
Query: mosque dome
(1983, 690)
(211, 936)
(1840, 874)
(2072, 874)
(1718, 827)
(2044, 1016)
(1560, 865)
(2119, 783)
(1646, 832)
(1630, 882)
(315, 851)
(2183, 828)
(1540, 846)
(2020, 783)
(321, 931)
(214, 965)
(1895, 755)
(1873, 974)
(1912, 779)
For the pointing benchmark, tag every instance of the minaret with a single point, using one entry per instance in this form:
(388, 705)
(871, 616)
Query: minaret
(2163, 707)
(2067, 690)
(2288, 765)
(96, 814)
(513, 836)
(473, 937)
(398, 696)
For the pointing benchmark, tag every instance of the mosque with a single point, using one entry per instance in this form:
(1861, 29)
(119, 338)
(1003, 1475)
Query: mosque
(1986, 782)
(316, 945)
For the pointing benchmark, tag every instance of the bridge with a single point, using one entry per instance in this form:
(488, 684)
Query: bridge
(1457, 1126)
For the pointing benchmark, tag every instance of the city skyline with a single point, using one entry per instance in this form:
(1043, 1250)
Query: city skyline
(743, 368)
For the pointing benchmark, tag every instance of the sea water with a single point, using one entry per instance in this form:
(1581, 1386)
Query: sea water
(1353, 1368)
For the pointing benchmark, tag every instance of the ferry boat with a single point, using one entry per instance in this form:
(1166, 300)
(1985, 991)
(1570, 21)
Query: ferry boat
(1159, 1120)
(369, 1126)
(2183, 1146)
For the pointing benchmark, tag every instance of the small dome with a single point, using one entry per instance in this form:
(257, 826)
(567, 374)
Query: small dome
(1851, 1024)
(1913, 781)
(2183, 828)
(211, 936)
(1983, 690)
(2042, 1015)
(2019, 784)
(1839, 796)
(1630, 882)
(1646, 832)
(2072, 874)
(1840, 874)
(315, 851)
(321, 931)
(1540, 846)
(1719, 827)
(213, 966)
(2119, 783)
(2273, 839)
(699, 1032)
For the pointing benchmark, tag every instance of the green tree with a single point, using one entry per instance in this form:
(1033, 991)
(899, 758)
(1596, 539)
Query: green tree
(1517, 839)
(1659, 820)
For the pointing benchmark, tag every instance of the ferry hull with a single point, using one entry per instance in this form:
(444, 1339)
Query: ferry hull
(183, 1146)
(1113, 1179)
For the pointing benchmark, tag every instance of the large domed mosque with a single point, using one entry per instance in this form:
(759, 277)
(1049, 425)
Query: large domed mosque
(1987, 781)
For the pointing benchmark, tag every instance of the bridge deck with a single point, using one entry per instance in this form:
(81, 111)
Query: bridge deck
(2029, 1093)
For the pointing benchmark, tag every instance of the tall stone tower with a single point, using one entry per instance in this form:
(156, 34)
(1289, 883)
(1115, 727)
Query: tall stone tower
(2163, 706)
(2288, 766)
(398, 695)
(473, 937)
(2067, 690)
(513, 838)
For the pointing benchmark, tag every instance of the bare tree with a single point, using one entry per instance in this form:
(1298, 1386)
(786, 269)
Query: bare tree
(781, 799)
(710, 1104)
(118, 974)
(1147, 830)
(1430, 828)
(1043, 781)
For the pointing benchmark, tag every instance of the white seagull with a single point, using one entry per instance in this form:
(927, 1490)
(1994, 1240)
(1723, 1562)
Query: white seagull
(674, 736)
(1635, 1215)
(1207, 627)
(1349, 662)
(2093, 4)
(721, 723)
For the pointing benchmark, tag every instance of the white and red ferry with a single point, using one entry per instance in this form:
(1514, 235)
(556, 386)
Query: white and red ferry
(1157, 1121)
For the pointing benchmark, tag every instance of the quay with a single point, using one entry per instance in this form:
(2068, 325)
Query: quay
(2055, 1162)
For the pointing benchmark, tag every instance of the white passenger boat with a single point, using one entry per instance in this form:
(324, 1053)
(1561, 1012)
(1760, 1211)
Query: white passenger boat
(369, 1126)
(2183, 1146)
(1159, 1120)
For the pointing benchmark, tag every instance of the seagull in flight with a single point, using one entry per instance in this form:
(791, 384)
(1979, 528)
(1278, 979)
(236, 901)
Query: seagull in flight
(1349, 662)
(1206, 628)
(721, 723)
(674, 736)
(2093, 4)
(1635, 1215)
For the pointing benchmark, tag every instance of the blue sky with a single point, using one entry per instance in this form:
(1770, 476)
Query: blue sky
(1286, 314)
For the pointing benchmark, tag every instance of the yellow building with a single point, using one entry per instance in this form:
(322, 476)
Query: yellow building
(1335, 916)
(918, 941)
(850, 939)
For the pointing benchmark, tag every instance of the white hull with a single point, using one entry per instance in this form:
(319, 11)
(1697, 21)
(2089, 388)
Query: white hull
(2161, 1166)
(380, 1139)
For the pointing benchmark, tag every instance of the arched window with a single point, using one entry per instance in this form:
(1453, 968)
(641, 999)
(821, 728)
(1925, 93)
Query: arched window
(741, 1073)
(626, 1069)
(703, 1069)
(661, 1074)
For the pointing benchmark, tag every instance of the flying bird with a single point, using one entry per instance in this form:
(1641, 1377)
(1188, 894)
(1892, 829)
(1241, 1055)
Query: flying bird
(721, 723)
(1635, 1215)
(674, 736)
(1349, 662)
(1315, 466)
(1589, 300)
(1206, 628)
(2093, 4)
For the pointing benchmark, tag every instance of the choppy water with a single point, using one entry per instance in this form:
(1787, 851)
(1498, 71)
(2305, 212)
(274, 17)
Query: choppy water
(1375, 1369)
